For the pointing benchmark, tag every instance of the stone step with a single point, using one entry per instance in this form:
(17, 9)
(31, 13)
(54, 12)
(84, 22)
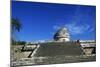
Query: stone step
(59, 48)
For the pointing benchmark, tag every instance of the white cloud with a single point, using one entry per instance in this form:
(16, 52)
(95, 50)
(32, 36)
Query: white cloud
(78, 29)
(56, 27)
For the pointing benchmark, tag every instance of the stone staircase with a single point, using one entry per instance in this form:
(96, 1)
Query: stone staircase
(58, 48)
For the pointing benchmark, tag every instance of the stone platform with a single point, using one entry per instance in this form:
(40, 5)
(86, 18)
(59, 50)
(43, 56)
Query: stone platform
(58, 48)
(54, 53)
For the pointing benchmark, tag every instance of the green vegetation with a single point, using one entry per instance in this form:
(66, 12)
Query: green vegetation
(15, 27)
(20, 42)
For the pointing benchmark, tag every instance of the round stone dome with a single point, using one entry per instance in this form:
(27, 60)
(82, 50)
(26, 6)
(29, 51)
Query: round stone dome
(62, 34)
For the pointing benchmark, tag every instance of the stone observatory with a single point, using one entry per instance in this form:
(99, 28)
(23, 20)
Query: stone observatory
(62, 35)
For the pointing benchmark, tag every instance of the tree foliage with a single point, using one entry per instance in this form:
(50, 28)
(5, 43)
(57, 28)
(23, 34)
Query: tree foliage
(16, 25)
(20, 42)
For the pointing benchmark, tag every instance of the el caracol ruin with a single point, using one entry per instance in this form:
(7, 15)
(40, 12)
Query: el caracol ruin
(60, 50)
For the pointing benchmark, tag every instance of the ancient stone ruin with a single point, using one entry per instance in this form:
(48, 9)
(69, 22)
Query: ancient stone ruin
(61, 50)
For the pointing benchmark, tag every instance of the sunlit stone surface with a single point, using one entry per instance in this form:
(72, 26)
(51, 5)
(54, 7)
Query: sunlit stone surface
(62, 35)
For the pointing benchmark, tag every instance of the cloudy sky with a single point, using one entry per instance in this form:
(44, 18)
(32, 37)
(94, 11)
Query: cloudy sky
(41, 20)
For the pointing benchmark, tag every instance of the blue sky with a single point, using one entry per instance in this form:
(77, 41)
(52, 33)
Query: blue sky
(41, 20)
